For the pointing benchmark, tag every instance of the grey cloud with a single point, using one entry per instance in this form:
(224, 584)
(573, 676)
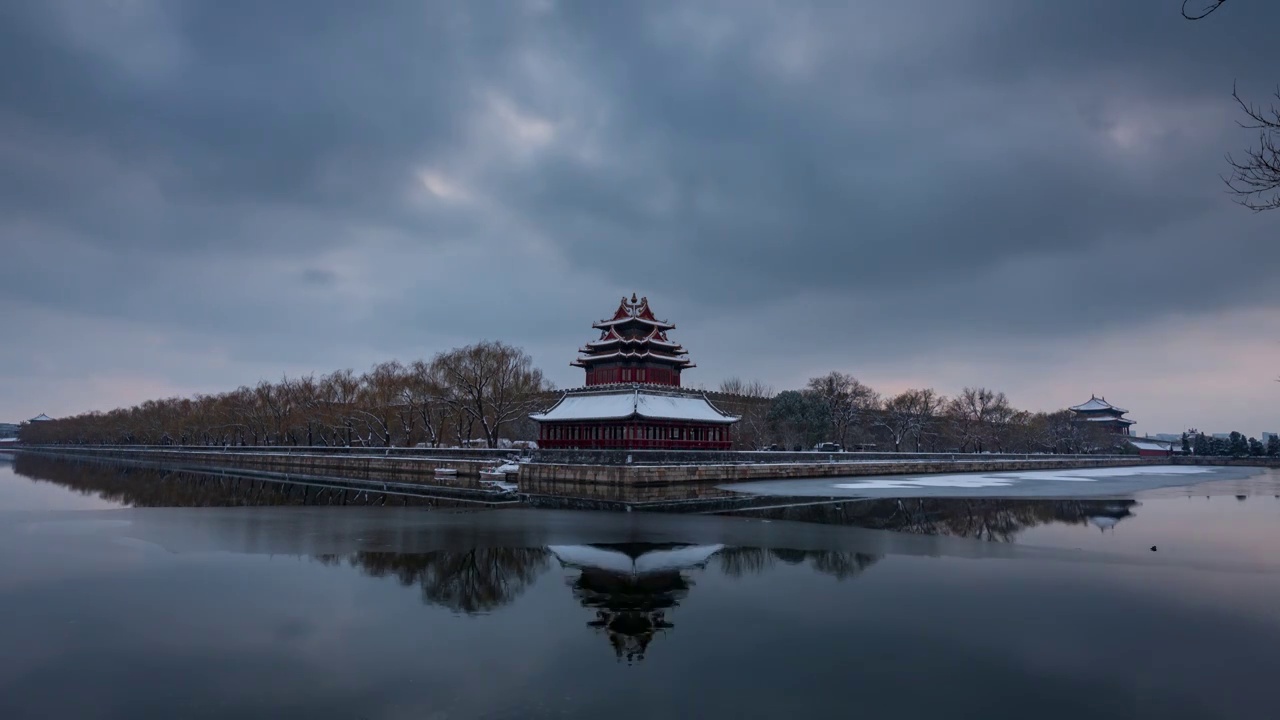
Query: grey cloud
(938, 173)
(318, 277)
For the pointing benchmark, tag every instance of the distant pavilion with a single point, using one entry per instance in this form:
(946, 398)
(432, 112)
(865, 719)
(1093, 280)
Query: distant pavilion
(1102, 414)
(632, 399)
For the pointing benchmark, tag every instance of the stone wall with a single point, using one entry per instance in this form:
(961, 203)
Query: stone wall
(560, 456)
(658, 475)
(355, 465)
(605, 476)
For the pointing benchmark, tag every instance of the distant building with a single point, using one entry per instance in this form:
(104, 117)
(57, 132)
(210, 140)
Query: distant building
(40, 418)
(1147, 447)
(8, 430)
(1266, 437)
(1100, 413)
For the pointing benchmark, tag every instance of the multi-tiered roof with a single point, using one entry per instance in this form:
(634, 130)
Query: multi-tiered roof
(634, 401)
(633, 347)
(1097, 411)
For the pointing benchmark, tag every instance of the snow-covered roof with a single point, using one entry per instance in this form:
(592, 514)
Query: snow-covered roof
(41, 418)
(1111, 419)
(1151, 445)
(1095, 404)
(622, 321)
(633, 311)
(682, 360)
(611, 336)
(664, 560)
(621, 404)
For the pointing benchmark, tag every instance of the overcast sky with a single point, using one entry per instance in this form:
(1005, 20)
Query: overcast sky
(1021, 195)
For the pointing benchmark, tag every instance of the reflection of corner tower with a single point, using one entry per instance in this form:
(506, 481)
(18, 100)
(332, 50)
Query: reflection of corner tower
(632, 586)
(632, 399)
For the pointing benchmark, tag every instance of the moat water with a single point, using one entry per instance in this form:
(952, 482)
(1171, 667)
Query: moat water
(136, 594)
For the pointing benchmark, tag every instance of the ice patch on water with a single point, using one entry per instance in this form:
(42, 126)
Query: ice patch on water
(1007, 479)
(1090, 474)
(949, 481)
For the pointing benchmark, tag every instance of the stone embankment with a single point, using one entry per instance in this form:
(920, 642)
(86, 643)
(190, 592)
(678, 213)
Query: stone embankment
(609, 477)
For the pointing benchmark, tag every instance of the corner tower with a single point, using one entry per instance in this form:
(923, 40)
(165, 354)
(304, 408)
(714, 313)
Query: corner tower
(633, 348)
(633, 399)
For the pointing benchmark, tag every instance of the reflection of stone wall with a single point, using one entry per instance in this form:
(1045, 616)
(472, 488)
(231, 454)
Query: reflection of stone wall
(137, 486)
(572, 474)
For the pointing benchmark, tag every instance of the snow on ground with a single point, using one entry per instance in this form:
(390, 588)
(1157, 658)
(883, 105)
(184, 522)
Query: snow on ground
(1082, 482)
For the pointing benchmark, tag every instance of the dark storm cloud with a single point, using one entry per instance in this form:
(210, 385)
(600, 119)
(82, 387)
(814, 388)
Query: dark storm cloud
(940, 159)
(302, 182)
(260, 103)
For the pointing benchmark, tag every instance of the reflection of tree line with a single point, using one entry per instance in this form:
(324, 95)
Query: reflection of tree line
(149, 487)
(482, 579)
(736, 562)
(629, 609)
(979, 518)
(470, 581)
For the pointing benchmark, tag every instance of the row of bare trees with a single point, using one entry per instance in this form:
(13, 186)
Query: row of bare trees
(838, 408)
(485, 392)
(479, 392)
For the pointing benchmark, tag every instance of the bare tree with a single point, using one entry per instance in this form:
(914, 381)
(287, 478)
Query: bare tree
(750, 401)
(976, 414)
(377, 398)
(1255, 179)
(1199, 9)
(491, 383)
(304, 396)
(338, 390)
(427, 385)
(846, 400)
(911, 413)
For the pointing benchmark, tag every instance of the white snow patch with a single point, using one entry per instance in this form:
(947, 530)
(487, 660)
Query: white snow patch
(954, 481)
(1007, 479)
(1089, 474)
(627, 403)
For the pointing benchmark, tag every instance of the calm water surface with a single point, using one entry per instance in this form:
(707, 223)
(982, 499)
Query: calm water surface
(115, 606)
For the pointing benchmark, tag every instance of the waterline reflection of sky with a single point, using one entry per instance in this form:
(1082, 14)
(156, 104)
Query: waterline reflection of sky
(991, 608)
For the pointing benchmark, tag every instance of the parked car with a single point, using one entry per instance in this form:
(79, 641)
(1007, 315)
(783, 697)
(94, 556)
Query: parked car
(828, 447)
